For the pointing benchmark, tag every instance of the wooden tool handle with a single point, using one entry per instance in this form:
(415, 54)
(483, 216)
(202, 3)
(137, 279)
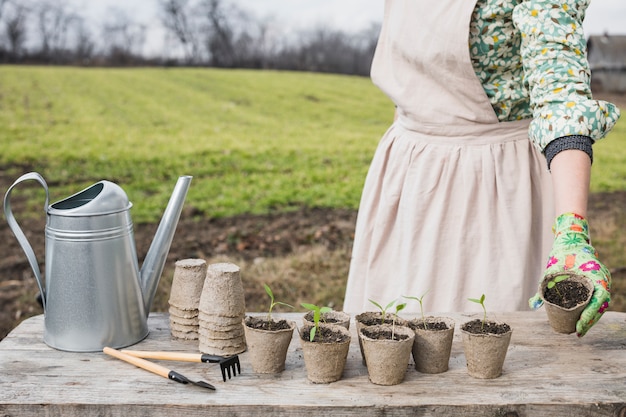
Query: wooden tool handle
(141, 363)
(166, 356)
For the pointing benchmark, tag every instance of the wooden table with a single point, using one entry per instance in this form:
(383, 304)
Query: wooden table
(545, 374)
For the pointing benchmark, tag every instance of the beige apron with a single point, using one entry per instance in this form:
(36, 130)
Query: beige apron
(455, 203)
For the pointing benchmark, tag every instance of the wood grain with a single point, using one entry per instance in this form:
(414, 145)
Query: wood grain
(545, 374)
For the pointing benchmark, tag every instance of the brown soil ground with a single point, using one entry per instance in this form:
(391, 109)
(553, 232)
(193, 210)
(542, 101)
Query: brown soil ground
(302, 255)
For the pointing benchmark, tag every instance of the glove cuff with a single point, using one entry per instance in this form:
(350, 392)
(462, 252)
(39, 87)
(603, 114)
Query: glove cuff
(571, 223)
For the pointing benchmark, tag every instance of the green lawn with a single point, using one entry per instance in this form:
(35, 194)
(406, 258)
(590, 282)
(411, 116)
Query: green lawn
(255, 141)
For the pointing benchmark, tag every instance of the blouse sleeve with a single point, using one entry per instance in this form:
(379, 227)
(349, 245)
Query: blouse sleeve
(557, 72)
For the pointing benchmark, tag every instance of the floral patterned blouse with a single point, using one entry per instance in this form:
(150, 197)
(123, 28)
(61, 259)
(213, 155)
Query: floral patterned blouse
(542, 43)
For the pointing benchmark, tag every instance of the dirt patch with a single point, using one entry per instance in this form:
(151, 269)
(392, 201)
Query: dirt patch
(303, 255)
(270, 249)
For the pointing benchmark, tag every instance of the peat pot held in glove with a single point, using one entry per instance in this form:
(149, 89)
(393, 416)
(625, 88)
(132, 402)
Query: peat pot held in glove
(565, 296)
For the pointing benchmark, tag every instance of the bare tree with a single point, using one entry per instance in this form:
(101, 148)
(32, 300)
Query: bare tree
(124, 39)
(220, 34)
(53, 22)
(84, 45)
(3, 3)
(3, 48)
(177, 17)
(15, 30)
(211, 32)
(267, 44)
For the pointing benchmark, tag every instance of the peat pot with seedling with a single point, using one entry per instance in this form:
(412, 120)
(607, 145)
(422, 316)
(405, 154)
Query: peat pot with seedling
(371, 318)
(268, 339)
(387, 348)
(324, 347)
(433, 341)
(565, 296)
(485, 344)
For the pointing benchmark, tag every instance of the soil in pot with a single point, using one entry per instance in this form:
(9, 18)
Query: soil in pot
(373, 318)
(490, 327)
(268, 341)
(261, 323)
(433, 343)
(384, 333)
(565, 301)
(567, 294)
(325, 356)
(332, 317)
(485, 347)
(387, 351)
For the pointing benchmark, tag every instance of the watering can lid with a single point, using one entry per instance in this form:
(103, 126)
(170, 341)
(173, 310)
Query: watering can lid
(103, 197)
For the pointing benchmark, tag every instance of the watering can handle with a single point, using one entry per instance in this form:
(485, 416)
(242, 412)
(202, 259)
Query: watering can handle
(17, 231)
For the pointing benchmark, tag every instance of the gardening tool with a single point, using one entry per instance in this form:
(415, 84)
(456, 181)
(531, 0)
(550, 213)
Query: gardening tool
(228, 365)
(95, 295)
(157, 369)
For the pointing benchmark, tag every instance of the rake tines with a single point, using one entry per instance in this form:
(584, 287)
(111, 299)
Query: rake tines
(228, 365)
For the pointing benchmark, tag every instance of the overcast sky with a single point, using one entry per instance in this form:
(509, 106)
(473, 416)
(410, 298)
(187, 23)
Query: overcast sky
(602, 16)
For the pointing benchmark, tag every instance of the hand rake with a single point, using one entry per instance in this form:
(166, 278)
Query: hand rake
(228, 365)
(157, 369)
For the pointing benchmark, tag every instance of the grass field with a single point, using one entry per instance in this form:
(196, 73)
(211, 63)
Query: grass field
(255, 141)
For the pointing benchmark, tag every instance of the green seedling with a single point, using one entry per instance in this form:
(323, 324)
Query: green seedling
(420, 300)
(382, 310)
(272, 302)
(481, 301)
(552, 283)
(317, 315)
(399, 307)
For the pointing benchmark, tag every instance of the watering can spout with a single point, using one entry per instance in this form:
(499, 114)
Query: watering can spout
(157, 254)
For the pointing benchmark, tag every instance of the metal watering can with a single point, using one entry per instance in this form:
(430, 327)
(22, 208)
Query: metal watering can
(95, 295)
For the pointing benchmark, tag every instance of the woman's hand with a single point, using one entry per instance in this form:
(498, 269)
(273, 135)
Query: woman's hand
(572, 252)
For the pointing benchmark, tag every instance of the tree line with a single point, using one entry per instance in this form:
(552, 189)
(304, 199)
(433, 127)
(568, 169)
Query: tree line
(214, 33)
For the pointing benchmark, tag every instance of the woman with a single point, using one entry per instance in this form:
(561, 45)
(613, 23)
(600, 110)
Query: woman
(458, 201)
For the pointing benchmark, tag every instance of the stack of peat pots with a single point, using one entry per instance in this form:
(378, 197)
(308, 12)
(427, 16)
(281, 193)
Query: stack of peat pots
(221, 311)
(189, 276)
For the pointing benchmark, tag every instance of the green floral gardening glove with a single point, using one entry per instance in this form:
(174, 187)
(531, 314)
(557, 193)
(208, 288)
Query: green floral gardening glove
(572, 251)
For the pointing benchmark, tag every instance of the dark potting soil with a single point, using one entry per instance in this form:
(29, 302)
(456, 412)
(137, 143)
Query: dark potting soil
(383, 334)
(261, 323)
(324, 335)
(476, 327)
(325, 318)
(376, 319)
(566, 293)
(432, 326)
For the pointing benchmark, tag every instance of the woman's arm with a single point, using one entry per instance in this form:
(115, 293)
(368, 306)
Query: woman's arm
(571, 173)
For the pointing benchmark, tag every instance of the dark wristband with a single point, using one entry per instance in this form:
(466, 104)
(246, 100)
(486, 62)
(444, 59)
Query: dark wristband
(580, 142)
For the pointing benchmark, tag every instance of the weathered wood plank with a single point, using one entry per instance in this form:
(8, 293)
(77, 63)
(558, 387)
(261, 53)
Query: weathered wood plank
(545, 374)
